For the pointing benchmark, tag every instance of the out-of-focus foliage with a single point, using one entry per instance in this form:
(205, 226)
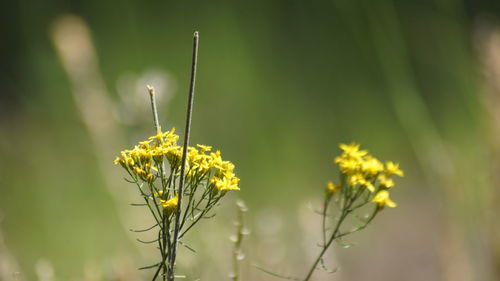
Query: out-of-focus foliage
(280, 84)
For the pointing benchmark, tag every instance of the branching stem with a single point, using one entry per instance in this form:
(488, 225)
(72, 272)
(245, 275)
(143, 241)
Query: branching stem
(346, 210)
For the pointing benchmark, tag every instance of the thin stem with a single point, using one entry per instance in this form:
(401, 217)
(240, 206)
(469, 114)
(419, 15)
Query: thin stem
(201, 215)
(152, 97)
(326, 246)
(154, 200)
(184, 154)
(346, 210)
(160, 266)
(191, 196)
(323, 221)
(162, 244)
(377, 209)
(166, 247)
(145, 196)
(144, 230)
(276, 274)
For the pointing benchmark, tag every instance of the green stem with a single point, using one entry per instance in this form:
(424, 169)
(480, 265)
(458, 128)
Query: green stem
(325, 247)
(346, 210)
(323, 223)
(184, 154)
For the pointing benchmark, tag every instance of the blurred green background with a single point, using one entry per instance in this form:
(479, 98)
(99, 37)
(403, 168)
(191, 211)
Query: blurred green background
(280, 85)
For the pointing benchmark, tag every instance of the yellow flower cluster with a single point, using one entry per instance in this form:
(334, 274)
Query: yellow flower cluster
(147, 158)
(143, 160)
(170, 205)
(362, 169)
(201, 161)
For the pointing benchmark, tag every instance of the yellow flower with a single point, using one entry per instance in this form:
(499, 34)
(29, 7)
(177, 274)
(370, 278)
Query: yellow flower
(372, 165)
(352, 150)
(150, 166)
(158, 136)
(385, 181)
(145, 154)
(369, 186)
(126, 158)
(392, 168)
(165, 138)
(225, 183)
(359, 179)
(145, 144)
(174, 155)
(348, 166)
(216, 159)
(234, 184)
(204, 148)
(331, 188)
(200, 165)
(382, 199)
(139, 171)
(171, 204)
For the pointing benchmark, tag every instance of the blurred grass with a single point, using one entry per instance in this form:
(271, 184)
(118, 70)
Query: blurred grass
(280, 85)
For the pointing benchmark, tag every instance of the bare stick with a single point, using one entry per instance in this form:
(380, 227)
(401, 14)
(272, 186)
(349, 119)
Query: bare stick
(162, 245)
(152, 97)
(184, 154)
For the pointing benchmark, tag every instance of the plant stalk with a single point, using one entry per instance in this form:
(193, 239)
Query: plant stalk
(172, 257)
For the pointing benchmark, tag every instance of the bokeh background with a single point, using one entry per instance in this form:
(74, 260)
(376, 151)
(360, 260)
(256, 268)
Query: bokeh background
(280, 84)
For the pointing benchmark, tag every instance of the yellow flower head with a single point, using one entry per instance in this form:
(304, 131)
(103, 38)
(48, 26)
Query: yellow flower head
(145, 161)
(348, 166)
(331, 188)
(204, 148)
(352, 150)
(382, 199)
(225, 183)
(139, 171)
(385, 181)
(158, 194)
(168, 137)
(216, 159)
(392, 168)
(171, 204)
(359, 179)
(371, 165)
(363, 169)
(117, 161)
(145, 144)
